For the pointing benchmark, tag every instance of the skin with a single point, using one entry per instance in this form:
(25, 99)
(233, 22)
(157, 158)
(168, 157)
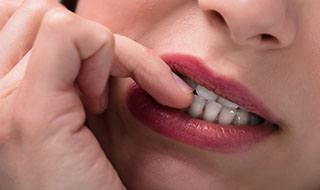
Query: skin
(283, 72)
(45, 142)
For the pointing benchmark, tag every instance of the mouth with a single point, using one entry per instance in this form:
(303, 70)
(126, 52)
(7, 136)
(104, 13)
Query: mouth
(224, 115)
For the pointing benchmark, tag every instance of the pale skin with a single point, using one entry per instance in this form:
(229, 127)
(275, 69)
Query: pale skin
(54, 75)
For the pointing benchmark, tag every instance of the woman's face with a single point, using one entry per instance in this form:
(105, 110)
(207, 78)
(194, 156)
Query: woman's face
(270, 47)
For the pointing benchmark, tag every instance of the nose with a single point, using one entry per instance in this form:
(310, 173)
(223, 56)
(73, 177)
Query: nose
(262, 24)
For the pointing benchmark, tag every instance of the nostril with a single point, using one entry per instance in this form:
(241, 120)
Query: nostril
(268, 38)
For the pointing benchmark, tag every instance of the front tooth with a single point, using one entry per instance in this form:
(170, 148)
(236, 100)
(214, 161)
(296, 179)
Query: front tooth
(227, 103)
(226, 116)
(209, 95)
(211, 111)
(241, 118)
(197, 106)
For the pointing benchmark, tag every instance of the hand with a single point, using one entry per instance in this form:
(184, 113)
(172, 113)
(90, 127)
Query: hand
(54, 68)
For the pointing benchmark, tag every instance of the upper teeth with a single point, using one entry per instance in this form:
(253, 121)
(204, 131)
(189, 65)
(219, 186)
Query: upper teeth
(209, 95)
(210, 107)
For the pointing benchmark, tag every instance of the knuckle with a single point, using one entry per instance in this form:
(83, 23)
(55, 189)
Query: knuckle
(102, 34)
(56, 19)
(106, 36)
(100, 38)
(36, 8)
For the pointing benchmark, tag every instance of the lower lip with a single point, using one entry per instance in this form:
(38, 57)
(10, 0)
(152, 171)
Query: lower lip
(180, 126)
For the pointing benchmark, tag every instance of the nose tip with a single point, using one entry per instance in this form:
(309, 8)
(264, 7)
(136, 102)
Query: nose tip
(263, 24)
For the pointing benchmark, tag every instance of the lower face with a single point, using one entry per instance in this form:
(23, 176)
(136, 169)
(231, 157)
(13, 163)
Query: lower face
(166, 155)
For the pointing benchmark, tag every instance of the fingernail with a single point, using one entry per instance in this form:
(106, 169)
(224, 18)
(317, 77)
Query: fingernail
(183, 85)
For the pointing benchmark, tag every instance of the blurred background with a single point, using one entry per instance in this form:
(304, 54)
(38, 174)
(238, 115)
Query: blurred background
(70, 4)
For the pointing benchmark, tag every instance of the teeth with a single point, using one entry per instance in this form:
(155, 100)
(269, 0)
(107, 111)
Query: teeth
(209, 95)
(211, 111)
(241, 118)
(210, 107)
(226, 116)
(255, 120)
(197, 106)
(227, 103)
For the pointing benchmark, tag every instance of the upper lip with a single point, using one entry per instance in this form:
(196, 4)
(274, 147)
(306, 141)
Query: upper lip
(227, 87)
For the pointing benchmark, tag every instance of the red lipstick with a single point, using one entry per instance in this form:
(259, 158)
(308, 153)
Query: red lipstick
(178, 125)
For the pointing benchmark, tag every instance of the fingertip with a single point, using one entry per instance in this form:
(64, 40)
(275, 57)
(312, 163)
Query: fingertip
(182, 85)
(184, 101)
(174, 100)
(183, 97)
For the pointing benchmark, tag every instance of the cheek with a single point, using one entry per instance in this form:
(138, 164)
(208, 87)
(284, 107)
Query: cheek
(127, 17)
(107, 12)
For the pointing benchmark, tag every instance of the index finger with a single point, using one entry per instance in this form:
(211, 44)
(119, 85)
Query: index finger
(150, 72)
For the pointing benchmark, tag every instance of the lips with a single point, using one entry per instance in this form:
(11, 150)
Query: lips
(179, 126)
(232, 90)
